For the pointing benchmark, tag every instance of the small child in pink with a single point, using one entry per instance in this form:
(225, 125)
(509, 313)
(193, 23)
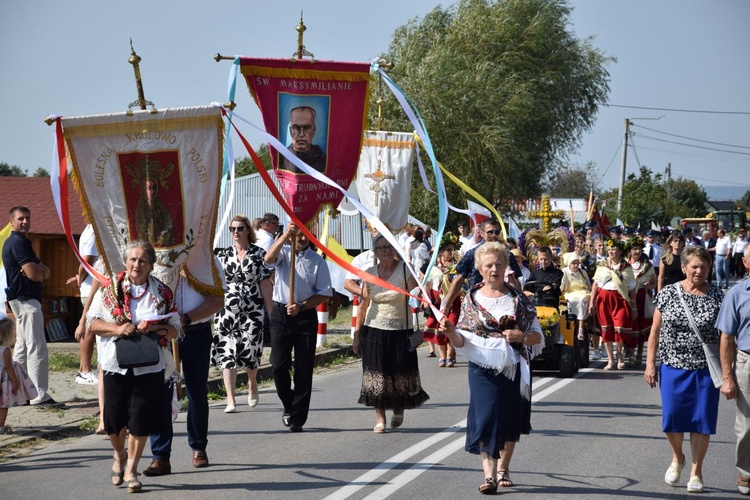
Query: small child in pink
(15, 387)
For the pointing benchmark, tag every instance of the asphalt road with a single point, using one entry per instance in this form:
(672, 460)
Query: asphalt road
(595, 436)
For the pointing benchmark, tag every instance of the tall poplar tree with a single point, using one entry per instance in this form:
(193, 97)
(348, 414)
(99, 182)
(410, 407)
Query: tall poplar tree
(505, 89)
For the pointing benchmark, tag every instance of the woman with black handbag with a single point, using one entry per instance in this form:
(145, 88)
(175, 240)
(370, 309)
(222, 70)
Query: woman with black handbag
(390, 378)
(684, 320)
(134, 315)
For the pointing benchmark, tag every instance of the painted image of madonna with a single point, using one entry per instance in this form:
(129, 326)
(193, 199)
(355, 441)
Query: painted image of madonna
(153, 220)
(305, 132)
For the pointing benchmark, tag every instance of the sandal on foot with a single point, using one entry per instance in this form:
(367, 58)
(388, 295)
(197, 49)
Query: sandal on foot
(117, 476)
(672, 476)
(695, 485)
(379, 428)
(134, 486)
(743, 485)
(397, 420)
(503, 479)
(441, 363)
(431, 355)
(581, 335)
(450, 363)
(488, 487)
(609, 366)
(621, 365)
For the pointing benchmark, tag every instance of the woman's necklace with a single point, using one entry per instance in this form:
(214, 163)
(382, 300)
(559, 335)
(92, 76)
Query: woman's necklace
(137, 291)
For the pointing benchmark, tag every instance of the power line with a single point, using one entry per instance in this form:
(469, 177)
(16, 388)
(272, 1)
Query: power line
(715, 180)
(693, 145)
(691, 138)
(682, 110)
(619, 145)
(722, 159)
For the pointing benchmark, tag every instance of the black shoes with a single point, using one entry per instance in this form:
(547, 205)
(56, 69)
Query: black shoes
(48, 403)
(286, 419)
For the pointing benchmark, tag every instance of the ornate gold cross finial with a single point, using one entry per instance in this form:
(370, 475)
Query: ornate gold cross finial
(301, 50)
(546, 214)
(141, 103)
(377, 177)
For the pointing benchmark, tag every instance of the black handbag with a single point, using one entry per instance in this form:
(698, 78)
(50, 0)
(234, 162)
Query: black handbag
(137, 350)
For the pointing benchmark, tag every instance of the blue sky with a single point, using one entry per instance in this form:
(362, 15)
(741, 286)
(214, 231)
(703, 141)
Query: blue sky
(70, 58)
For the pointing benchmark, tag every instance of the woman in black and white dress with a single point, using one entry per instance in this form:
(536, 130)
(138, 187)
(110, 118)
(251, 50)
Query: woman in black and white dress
(238, 328)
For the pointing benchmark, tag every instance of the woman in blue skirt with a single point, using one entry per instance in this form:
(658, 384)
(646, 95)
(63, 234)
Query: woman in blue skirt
(499, 334)
(690, 402)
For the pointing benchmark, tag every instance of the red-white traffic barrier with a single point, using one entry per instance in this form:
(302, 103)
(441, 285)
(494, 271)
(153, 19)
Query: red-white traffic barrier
(322, 324)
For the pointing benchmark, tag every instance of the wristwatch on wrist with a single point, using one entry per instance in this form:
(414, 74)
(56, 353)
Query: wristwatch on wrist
(186, 319)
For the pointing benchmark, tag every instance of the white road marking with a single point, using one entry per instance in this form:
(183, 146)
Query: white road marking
(425, 464)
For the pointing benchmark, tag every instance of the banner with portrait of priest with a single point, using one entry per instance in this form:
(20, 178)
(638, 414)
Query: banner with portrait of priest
(155, 177)
(317, 109)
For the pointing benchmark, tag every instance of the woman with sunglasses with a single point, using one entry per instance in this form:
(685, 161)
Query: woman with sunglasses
(238, 328)
(390, 378)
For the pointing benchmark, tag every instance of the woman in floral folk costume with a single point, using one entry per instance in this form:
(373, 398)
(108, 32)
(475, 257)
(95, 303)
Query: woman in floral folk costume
(613, 298)
(439, 284)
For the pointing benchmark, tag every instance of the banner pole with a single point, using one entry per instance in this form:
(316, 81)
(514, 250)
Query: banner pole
(292, 273)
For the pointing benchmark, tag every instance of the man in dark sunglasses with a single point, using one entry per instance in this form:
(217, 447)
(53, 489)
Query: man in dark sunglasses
(490, 231)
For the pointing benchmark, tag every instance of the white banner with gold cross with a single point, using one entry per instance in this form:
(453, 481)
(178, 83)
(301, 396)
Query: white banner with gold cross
(384, 176)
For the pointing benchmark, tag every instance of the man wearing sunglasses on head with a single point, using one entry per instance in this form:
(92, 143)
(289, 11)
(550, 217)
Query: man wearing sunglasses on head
(490, 231)
(294, 323)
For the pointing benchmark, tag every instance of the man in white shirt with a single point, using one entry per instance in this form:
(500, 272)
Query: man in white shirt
(736, 267)
(294, 323)
(652, 248)
(723, 254)
(265, 236)
(469, 238)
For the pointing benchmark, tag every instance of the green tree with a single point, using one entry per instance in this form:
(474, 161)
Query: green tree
(40, 172)
(573, 182)
(648, 197)
(505, 89)
(744, 202)
(246, 166)
(7, 170)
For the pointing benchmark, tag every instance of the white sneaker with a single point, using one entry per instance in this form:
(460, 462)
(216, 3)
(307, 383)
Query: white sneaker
(90, 378)
(252, 400)
(672, 476)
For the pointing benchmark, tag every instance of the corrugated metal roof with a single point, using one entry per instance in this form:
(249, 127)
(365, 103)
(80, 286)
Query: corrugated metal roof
(253, 199)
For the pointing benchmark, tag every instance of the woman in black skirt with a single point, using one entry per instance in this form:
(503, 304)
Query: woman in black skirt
(390, 378)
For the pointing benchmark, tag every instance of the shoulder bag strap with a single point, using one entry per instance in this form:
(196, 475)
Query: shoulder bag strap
(689, 314)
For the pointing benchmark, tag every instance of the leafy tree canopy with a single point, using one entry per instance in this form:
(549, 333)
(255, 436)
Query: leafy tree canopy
(505, 89)
(649, 197)
(7, 170)
(40, 172)
(246, 166)
(573, 182)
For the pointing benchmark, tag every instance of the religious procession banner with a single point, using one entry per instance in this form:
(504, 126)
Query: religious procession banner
(384, 176)
(153, 177)
(317, 109)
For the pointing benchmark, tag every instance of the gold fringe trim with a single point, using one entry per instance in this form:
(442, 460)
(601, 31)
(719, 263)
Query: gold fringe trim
(314, 74)
(141, 126)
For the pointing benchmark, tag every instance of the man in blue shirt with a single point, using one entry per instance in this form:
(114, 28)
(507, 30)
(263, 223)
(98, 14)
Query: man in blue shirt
(294, 321)
(25, 273)
(734, 324)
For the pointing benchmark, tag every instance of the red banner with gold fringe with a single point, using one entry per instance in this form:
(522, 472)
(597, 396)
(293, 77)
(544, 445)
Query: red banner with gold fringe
(318, 110)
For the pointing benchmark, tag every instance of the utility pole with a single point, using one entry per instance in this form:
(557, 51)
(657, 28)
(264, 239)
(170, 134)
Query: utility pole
(622, 164)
